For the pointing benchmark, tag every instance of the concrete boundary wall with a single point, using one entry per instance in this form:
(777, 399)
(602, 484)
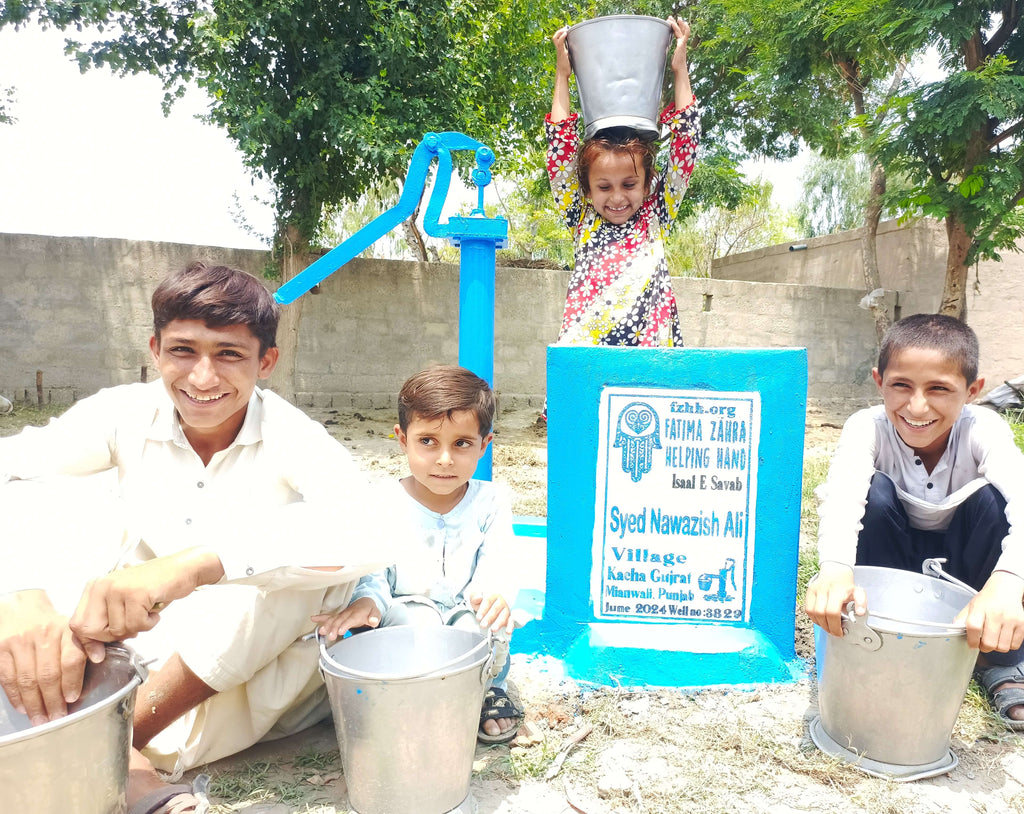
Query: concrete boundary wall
(77, 309)
(910, 259)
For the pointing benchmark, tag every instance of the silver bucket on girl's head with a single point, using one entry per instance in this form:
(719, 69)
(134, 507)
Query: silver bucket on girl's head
(619, 63)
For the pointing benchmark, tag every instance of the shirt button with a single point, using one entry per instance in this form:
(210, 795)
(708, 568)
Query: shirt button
(200, 484)
(249, 571)
(929, 486)
(916, 461)
(188, 521)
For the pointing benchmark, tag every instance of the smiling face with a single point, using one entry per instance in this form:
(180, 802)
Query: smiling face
(210, 374)
(443, 454)
(924, 392)
(617, 186)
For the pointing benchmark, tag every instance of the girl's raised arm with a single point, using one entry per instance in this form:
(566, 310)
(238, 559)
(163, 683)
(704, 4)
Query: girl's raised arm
(680, 72)
(563, 70)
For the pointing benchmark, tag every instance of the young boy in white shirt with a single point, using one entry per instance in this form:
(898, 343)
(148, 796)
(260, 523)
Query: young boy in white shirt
(927, 474)
(218, 481)
(454, 573)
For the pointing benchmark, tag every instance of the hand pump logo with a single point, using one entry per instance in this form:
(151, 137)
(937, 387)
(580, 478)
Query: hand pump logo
(637, 434)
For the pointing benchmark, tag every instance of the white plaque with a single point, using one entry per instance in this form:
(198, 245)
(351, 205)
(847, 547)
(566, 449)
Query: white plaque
(676, 497)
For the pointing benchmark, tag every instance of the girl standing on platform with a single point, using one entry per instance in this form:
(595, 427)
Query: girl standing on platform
(619, 211)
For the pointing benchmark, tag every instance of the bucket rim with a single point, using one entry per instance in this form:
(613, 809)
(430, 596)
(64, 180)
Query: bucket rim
(118, 652)
(340, 670)
(953, 588)
(889, 624)
(645, 17)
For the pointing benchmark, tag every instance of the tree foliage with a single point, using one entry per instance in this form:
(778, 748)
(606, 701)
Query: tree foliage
(325, 99)
(835, 194)
(957, 139)
(719, 231)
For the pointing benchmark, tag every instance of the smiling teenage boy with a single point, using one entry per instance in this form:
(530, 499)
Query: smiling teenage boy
(460, 530)
(927, 474)
(219, 481)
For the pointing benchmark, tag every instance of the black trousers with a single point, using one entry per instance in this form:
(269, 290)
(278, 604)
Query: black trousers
(971, 544)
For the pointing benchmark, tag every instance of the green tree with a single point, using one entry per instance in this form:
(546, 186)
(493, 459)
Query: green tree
(835, 194)
(801, 71)
(719, 231)
(957, 140)
(324, 99)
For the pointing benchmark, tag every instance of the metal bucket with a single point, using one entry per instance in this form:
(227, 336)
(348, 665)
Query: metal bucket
(619, 62)
(406, 704)
(78, 763)
(890, 689)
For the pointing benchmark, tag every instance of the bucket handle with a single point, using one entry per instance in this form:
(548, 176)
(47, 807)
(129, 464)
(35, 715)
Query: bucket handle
(326, 657)
(857, 631)
(932, 567)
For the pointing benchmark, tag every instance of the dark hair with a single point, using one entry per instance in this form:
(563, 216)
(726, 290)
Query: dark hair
(439, 391)
(954, 339)
(218, 296)
(637, 149)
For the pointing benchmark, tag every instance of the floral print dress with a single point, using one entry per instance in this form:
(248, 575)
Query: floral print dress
(620, 292)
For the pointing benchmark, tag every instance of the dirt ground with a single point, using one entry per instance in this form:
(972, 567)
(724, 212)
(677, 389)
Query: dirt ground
(611, 750)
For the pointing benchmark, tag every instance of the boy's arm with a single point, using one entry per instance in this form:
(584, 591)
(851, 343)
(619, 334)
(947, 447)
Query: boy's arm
(79, 442)
(843, 498)
(1001, 463)
(490, 588)
(995, 617)
(128, 601)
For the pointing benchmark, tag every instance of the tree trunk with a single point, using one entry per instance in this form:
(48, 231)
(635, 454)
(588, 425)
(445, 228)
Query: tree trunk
(869, 250)
(954, 290)
(295, 256)
(414, 238)
(873, 210)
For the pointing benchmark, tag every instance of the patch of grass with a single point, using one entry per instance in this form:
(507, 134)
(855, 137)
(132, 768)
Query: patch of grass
(317, 761)
(250, 779)
(27, 415)
(1018, 433)
(516, 455)
(815, 470)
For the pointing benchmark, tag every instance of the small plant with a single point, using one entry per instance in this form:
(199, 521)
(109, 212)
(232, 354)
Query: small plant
(532, 762)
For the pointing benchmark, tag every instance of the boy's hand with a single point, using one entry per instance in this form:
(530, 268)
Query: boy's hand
(828, 594)
(563, 67)
(995, 617)
(42, 664)
(128, 601)
(492, 612)
(361, 613)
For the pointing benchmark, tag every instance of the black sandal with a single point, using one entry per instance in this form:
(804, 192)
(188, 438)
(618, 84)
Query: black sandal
(496, 705)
